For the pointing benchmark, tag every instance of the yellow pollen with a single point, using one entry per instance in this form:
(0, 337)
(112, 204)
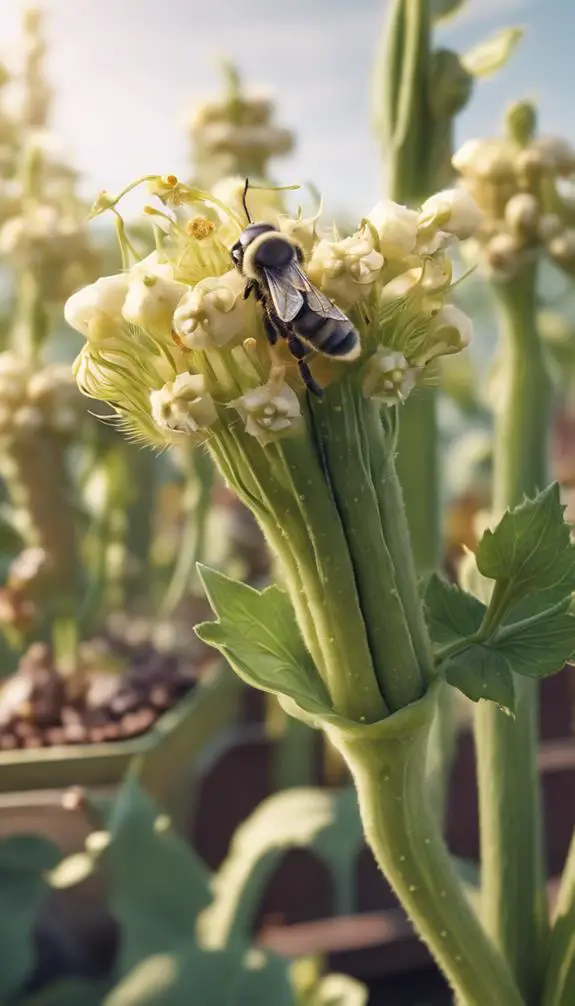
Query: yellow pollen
(171, 180)
(200, 228)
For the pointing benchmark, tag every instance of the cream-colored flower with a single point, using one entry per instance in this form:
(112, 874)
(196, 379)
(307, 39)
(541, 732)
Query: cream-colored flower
(562, 249)
(183, 405)
(451, 331)
(213, 313)
(503, 255)
(154, 264)
(557, 155)
(453, 211)
(347, 269)
(388, 376)
(270, 411)
(396, 227)
(301, 230)
(522, 214)
(490, 160)
(102, 300)
(151, 301)
(549, 226)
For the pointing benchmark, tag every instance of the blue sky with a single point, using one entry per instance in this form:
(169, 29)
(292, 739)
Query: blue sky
(126, 72)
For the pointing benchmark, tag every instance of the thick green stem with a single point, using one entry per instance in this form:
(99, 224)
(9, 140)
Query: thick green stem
(351, 445)
(418, 469)
(386, 762)
(559, 985)
(513, 873)
(199, 480)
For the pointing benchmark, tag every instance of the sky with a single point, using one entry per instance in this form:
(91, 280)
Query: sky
(126, 74)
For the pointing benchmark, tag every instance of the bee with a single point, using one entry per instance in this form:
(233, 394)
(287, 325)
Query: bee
(293, 308)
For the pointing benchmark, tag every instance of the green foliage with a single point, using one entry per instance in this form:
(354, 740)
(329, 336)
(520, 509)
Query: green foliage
(257, 633)
(492, 54)
(530, 549)
(526, 627)
(326, 823)
(23, 862)
(158, 885)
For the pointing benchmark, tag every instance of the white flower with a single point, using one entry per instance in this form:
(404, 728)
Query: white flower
(503, 255)
(270, 411)
(396, 226)
(487, 159)
(151, 301)
(453, 211)
(213, 313)
(522, 214)
(103, 299)
(183, 405)
(154, 265)
(389, 377)
(451, 332)
(301, 229)
(556, 154)
(347, 269)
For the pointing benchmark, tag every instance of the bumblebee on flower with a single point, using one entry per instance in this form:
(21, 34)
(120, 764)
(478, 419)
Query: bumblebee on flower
(243, 307)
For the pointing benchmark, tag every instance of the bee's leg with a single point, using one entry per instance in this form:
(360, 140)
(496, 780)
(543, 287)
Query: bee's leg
(270, 330)
(299, 351)
(252, 287)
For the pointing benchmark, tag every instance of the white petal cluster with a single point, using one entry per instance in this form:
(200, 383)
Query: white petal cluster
(346, 269)
(388, 376)
(214, 313)
(183, 405)
(270, 411)
(396, 228)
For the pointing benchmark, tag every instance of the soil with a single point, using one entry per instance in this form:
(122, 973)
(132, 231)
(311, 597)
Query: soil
(120, 694)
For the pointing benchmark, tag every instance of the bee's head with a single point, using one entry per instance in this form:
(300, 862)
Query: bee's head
(248, 235)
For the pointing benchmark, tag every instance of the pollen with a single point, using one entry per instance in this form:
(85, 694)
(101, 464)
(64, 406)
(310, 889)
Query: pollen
(171, 179)
(200, 228)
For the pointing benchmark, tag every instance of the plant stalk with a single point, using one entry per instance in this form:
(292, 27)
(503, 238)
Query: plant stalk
(386, 761)
(513, 873)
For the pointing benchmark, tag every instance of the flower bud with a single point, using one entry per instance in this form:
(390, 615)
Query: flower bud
(557, 155)
(103, 299)
(345, 270)
(561, 248)
(451, 332)
(453, 211)
(301, 230)
(27, 419)
(151, 301)
(503, 255)
(270, 411)
(522, 214)
(183, 405)
(487, 159)
(521, 122)
(154, 265)
(388, 376)
(213, 313)
(396, 228)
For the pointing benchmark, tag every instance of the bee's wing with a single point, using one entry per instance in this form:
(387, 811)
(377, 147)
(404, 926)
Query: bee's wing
(290, 287)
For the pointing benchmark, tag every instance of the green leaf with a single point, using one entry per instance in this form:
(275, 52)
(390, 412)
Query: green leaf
(451, 613)
(193, 976)
(257, 633)
(480, 672)
(530, 549)
(444, 10)
(325, 822)
(23, 862)
(158, 885)
(491, 55)
(539, 649)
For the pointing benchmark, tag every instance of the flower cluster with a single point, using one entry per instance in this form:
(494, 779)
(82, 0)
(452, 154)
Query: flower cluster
(175, 346)
(517, 182)
(236, 133)
(34, 400)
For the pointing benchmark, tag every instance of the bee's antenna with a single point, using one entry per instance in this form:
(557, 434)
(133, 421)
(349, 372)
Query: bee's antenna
(246, 187)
